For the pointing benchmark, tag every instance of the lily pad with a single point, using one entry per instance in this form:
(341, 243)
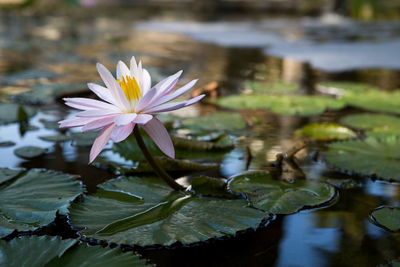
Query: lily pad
(284, 105)
(56, 138)
(83, 139)
(326, 131)
(7, 174)
(7, 144)
(341, 88)
(36, 251)
(374, 100)
(28, 75)
(145, 211)
(271, 88)
(370, 121)
(387, 218)
(33, 199)
(221, 121)
(29, 152)
(47, 93)
(281, 197)
(10, 113)
(371, 156)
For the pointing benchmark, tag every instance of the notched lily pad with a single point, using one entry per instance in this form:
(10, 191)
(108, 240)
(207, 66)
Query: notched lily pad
(33, 199)
(284, 105)
(10, 112)
(371, 157)
(29, 152)
(145, 211)
(281, 197)
(387, 218)
(37, 251)
(326, 131)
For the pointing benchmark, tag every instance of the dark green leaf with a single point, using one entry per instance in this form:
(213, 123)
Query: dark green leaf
(370, 121)
(281, 197)
(7, 174)
(55, 138)
(375, 100)
(10, 112)
(387, 217)
(146, 211)
(29, 152)
(271, 88)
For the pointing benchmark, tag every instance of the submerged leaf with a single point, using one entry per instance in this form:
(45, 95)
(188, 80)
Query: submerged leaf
(29, 152)
(158, 215)
(34, 198)
(300, 105)
(387, 217)
(326, 131)
(36, 251)
(372, 157)
(281, 197)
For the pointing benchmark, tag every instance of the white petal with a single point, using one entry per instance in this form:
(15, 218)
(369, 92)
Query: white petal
(125, 119)
(96, 113)
(102, 92)
(165, 107)
(98, 123)
(145, 100)
(142, 118)
(146, 81)
(122, 70)
(100, 142)
(88, 104)
(120, 133)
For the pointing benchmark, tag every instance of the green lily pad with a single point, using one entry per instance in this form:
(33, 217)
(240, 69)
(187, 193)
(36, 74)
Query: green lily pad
(281, 197)
(28, 75)
(284, 105)
(29, 152)
(47, 93)
(145, 211)
(387, 218)
(326, 131)
(37, 251)
(56, 138)
(371, 156)
(33, 199)
(221, 121)
(340, 88)
(83, 139)
(374, 100)
(7, 174)
(7, 144)
(384, 133)
(10, 113)
(370, 121)
(271, 88)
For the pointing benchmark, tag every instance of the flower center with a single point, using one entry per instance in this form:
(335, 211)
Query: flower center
(131, 88)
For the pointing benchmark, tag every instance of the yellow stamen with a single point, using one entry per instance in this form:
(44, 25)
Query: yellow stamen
(130, 87)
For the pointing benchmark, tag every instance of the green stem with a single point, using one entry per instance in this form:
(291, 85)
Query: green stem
(156, 167)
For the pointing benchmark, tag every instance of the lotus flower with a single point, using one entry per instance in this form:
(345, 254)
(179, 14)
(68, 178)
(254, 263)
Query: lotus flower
(127, 101)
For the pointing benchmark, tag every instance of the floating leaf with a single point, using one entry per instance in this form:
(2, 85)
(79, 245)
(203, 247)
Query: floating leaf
(221, 121)
(7, 174)
(46, 93)
(83, 139)
(326, 131)
(372, 156)
(271, 88)
(341, 88)
(34, 198)
(375, 100)
(56, 138)
(285, 105)
(7, 144)
(387, 217)
(29, 152)
(370, 121)
(224, 142)
(145, 211)
(40, 251)
(10, 112)
(210, 186)
(281, 197)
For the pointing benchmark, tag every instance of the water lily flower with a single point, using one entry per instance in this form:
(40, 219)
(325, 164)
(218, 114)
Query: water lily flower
(127, 101)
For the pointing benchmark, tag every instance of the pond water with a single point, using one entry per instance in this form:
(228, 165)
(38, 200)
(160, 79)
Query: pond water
(52, 49)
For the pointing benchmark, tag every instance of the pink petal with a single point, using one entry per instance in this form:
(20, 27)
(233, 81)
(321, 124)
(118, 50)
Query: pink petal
(175, 94)
(100, 142)
(156, 130)
(102, 92)
(114, 87)
(124, 119)
(98, 124)
(96, 113)
(165, 107)
(146, 81)
(194, 100)
(75, 122)
(120, 133)
(167, 84)
(142, 118)
(88, 104)
(122, 70)
(146, 99)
